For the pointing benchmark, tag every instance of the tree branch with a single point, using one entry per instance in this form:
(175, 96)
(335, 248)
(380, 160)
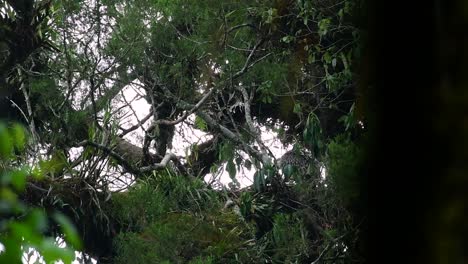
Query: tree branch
(234, 137)
(240, 26)
(247, 62)
(186, 114)
(125, 163)
(163, 164)
(248, 116)
(136, 126)
(122, 161)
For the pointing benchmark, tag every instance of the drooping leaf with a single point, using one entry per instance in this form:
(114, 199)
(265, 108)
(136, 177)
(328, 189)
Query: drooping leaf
(6, 142)
(231, 169)
(259, 180)
(288, 171)
(70, 232)
(18, 136)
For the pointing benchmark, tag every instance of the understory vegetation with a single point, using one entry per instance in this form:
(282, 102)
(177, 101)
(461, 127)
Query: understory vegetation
(172, 219)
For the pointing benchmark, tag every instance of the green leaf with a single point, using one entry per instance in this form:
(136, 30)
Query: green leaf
(18, 136)
(56, 164)
(52, 252)
(287, 39)
(313, 132)
(259, 180)
(231, 169)
(38, 220)
(288, 171)
(323, 26)
(226, 152)
(344, 60)
(230, 13)
(13, 250)
(271, 14)
(6, 142)
(18, 179)
(297, 108)
(307, 136)
(37, 173)
(6, 194)
(68, 229)
(91, 132)
(200, 124)
(311, 58)
(326, 57)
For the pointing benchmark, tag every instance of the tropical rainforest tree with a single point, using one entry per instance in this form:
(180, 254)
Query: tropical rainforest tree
(227, 68)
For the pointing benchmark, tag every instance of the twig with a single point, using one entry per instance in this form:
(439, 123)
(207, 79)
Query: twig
(136, 126)
(186, 114)
(247, 62)
(321, 254)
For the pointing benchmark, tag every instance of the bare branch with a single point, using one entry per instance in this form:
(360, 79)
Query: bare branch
(247, 62)
(248, 119)
(125, 163)
(168, 157)
(248, 116)
(186, 114)
(236, 138)
(140, 123)
(240, 26)
(233, 137)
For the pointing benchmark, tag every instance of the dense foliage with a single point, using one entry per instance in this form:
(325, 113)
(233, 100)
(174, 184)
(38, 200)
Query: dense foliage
(228, 69)
(22, 227)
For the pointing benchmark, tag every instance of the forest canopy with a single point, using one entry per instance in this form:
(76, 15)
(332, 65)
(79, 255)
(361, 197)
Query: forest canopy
(106, 99)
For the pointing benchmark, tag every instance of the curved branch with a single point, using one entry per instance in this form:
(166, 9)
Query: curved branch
(126, 160)
(163, 164)
(185, 115)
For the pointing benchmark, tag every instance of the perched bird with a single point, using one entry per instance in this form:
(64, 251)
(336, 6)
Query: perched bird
(299, 162)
